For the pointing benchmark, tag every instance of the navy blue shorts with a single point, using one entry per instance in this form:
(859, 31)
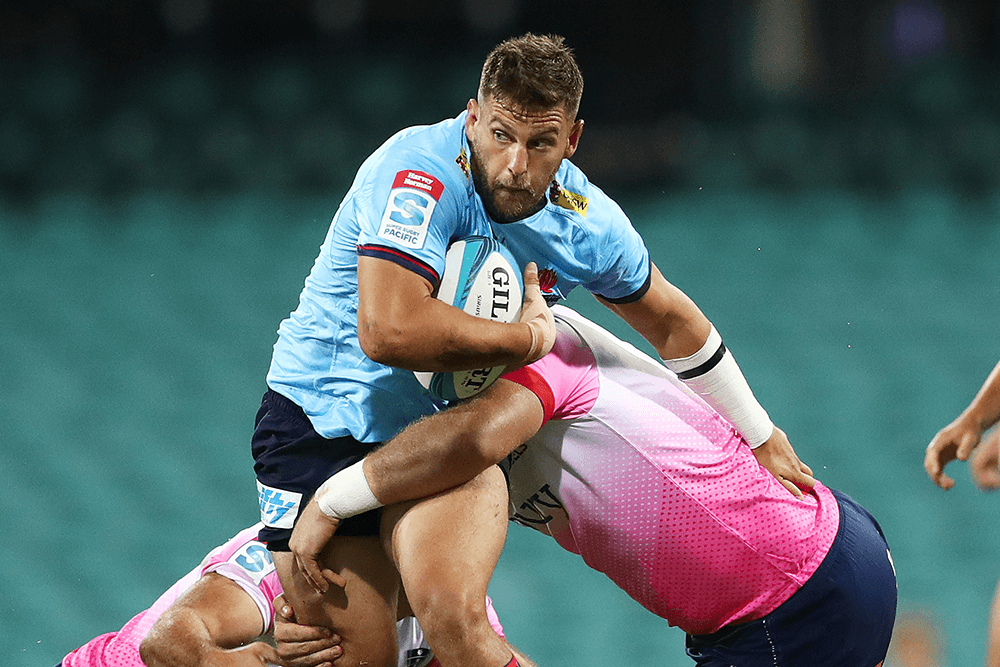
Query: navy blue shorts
(292, 460)
(841, 617)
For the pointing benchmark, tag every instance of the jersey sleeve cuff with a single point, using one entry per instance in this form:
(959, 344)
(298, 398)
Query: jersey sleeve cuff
(401, 258)
(533, 381)
(239, 577)
(636, 295)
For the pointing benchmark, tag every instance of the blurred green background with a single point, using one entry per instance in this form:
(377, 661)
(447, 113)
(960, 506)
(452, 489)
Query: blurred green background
(822, 180)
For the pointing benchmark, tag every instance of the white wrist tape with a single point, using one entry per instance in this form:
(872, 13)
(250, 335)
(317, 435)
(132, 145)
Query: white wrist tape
(713, 374)
(346, 493)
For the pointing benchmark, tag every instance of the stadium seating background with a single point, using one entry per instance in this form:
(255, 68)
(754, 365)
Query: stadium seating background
(160, 208)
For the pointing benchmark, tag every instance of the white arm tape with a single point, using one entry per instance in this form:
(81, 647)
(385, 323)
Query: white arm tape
(713, 374)
(347, 493)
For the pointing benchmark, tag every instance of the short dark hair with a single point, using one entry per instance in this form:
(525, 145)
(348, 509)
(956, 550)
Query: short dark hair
(533, 72)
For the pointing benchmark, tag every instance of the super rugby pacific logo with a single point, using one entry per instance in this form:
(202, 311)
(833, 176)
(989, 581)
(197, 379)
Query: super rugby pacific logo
(412, 200)
(255, 559)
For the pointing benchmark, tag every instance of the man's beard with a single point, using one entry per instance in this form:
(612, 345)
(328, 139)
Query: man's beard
(515, 210)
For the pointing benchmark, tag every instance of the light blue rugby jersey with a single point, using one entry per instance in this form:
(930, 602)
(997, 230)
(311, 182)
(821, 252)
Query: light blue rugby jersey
(409, 201)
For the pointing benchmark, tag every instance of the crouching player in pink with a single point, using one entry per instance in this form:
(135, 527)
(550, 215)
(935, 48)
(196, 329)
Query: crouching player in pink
(215, 615)
(619, 460)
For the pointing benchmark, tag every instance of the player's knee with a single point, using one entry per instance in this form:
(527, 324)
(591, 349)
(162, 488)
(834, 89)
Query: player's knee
(450, 614)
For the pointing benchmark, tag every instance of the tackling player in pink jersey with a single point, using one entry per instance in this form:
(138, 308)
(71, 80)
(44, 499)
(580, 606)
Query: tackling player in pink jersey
(216, 612)
(616, 458)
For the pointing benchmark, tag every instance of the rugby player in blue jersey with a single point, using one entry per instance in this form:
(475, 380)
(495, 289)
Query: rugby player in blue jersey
(340, 379)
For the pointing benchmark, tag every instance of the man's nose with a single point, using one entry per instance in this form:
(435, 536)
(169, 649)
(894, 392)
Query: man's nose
(517, 160)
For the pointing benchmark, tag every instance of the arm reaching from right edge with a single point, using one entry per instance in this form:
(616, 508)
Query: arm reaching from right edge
(690, 346)
(958, 439)
(455, 445)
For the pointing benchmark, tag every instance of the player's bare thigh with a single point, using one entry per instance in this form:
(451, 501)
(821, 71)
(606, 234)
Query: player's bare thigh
(363, 613)
(446, 548)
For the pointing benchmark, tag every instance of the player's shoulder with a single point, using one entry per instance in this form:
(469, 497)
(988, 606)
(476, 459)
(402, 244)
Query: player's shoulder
(585, 207)
(434, 152)
(242, 542)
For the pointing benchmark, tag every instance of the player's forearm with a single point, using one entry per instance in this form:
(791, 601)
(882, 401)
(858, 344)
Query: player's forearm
(690, 347)
(436, 453)
(401, 324)
(439, 452)
(427, 458)
(666, 317)
(444, 339)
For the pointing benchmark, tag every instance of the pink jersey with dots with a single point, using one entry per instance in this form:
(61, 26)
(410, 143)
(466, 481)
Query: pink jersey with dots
(652, 487)
(248, 563)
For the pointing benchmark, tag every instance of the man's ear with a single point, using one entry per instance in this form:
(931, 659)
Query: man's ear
(470, 119)
(574, 138)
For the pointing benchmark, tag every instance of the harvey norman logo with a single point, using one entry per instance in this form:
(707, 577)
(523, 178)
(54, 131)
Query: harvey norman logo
(408, 212)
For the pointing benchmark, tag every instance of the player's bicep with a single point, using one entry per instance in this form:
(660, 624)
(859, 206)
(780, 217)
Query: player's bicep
(388, 290)
(389, 296)
(511, 414)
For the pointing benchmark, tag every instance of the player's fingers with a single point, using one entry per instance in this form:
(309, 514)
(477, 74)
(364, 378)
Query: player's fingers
(803, 479)
(335, 578)
(536, 314)
(796, 491)
(943, 480)
(309, 653)
(807, 470)
(310, 568)
(932, 461)
(531, 274)
(285, 610)
(264, 652)
(313, 657)
(325, 647)
(967, 443)
(987, 481)
(316, 636)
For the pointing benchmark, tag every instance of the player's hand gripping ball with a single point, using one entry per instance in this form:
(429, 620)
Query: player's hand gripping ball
(482, 278)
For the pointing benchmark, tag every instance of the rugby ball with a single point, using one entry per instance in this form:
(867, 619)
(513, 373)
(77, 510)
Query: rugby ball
(482, 278)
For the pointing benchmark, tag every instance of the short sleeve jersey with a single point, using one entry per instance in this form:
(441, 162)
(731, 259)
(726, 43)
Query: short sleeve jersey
(409, 201)
(656, 490)
(247, 562)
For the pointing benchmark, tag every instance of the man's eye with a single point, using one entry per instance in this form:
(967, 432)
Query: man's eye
(500, 136)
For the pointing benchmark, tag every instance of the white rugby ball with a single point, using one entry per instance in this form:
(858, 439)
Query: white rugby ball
(482, 278)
